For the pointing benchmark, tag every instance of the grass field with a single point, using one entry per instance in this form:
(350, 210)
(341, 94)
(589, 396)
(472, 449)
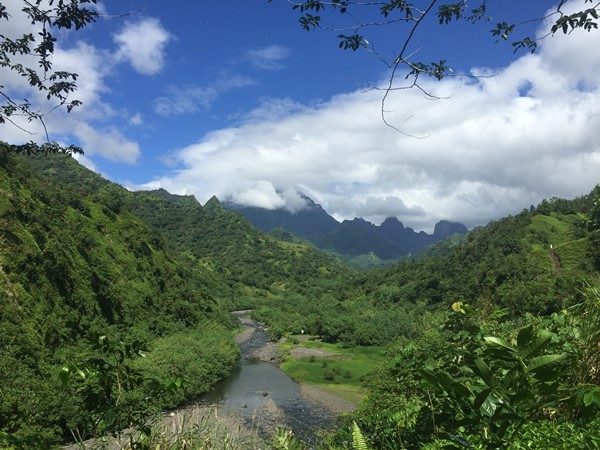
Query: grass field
(340, 371)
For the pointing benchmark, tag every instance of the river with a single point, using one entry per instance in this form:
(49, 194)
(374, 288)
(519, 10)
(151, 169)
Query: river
(262, 395)
(245, 408)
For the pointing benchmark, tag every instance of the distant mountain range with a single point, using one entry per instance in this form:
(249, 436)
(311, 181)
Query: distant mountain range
(355, 238)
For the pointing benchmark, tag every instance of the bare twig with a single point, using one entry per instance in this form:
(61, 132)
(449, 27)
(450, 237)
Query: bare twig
(396, 64)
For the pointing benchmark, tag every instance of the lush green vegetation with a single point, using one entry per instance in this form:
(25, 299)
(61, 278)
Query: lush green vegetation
(243, 263)
(89, 286)
(481, 382)
(537, 262)
(337, 368)
(495, 340)
(115, 304)
(215, 237)
(76, 268)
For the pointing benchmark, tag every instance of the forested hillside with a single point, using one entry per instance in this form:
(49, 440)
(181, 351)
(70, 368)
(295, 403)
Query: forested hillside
(495, 339)
(536, 262)
(226, 242)
(81, 277)
(93, 277)
(247, 263)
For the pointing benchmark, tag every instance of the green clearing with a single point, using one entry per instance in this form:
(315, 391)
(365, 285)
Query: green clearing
(341, 373)
(554, 229)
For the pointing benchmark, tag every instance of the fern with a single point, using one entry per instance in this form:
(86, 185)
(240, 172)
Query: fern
(358, 440)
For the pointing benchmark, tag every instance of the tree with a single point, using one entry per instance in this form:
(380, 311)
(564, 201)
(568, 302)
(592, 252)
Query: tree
(594, 223)
(30, 56)
(357, 17)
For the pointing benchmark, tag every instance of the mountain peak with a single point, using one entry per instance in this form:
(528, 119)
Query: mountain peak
(352, 237)
(213, 203)
(392, 222)
(446, 228)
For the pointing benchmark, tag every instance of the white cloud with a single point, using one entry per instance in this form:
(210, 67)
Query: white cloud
(262, 194)
(108, 142)
(190, 99)
(93, 65)
(136, 119)
(490, 150)
(268, 58)
(142, 44)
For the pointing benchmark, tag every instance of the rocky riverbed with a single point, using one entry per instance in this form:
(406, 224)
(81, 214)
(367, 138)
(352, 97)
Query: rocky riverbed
(245, 409)
(264, 396)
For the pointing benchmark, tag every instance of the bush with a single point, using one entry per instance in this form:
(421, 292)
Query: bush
(329, 375)
(199, 357)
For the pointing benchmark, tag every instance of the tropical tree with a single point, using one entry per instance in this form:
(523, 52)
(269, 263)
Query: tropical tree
(29, 55)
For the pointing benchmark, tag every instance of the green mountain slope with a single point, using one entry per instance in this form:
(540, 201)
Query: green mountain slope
(536, 262)
(533, 262)
(228, 244)
(74, 267)
(212, 239)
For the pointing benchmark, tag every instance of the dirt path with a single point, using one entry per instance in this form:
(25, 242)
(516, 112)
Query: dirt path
(555, 260)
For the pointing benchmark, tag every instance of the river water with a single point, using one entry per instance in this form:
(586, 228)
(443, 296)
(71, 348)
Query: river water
(257, 394)
(263, 396)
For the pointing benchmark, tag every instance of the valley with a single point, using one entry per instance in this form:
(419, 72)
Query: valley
(101, 285)
(299, 225)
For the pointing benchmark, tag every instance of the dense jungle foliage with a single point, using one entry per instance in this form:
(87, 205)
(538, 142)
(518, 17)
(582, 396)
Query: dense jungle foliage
(115, 304)
(538, 262)
(248, 264)
(495, 337)
(88, 286)
(78, 273)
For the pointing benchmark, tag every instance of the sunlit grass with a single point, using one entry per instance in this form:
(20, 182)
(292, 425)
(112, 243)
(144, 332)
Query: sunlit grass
(341, 371)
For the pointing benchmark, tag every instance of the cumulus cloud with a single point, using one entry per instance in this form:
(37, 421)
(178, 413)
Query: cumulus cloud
(262, 194)
(93, 65)
(108, 142)
(493, 148)
(268, 58)
(190, 99)
(142, 44)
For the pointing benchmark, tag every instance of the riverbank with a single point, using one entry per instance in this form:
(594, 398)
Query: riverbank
(244, 410)
(332, 373)
(263, 395)
(196, 426)
(272, 352)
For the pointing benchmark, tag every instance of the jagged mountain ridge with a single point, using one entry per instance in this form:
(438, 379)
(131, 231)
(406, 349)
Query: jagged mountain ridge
(350, 238)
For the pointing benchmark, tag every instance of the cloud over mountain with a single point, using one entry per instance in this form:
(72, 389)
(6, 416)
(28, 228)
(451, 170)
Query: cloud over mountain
(496, 145)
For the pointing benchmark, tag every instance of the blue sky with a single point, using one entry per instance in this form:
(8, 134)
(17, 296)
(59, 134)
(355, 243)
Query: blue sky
(211, 41)
(234, 98)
